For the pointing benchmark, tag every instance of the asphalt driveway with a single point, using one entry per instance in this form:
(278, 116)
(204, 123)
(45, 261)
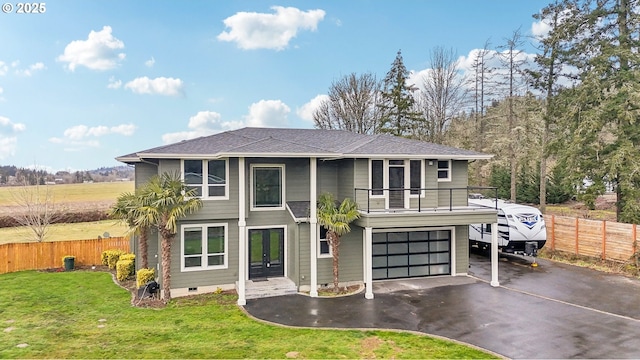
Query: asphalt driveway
(551, 311)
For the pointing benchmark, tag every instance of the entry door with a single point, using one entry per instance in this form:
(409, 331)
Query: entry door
(266, 253)
(396, 184)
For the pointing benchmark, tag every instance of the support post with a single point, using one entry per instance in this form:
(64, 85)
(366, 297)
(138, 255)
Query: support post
(242, 241)
(313, 228)
(494, 255)
(368, 271)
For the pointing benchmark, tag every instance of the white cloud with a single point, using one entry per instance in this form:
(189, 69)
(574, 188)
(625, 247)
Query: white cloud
(150, 62)
(202, 124)
(160, 86)
(8, 146)
(251, 30)
(268, 113)
(99, 52)
(82, 136)
(1, 97)
(15, 127)
(305, 112)
(114, 84)
(31, 69)
(3, 68)
(540, 28)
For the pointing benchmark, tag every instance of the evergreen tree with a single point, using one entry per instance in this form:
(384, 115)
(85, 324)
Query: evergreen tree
(398, 112)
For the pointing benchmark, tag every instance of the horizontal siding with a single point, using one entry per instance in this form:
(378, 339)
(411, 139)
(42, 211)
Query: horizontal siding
(459, 180)
(189, 279)
(350, 261)
(346, 178)
(327, 173)
(144, 172)
(462, 249)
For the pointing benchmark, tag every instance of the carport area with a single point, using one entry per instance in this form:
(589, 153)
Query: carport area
(552, 311)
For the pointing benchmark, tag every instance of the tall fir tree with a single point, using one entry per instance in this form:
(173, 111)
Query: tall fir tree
(398, 104)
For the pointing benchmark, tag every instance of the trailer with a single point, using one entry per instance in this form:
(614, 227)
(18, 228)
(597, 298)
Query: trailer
(521, 228)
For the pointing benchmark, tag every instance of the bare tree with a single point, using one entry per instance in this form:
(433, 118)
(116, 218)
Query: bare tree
(513, 63)
(37, 208)
(443, 94)
(352, 105)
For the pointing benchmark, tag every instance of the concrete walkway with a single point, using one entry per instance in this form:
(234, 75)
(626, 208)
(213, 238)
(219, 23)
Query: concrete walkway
(552, 311)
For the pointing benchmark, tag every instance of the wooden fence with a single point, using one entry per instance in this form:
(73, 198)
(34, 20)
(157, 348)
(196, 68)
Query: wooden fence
(607, 240)
(48, 255)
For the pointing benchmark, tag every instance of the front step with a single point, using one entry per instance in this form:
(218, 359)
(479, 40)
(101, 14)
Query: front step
(269, 287)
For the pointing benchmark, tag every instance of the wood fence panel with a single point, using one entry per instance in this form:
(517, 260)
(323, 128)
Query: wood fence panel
(619, 241)
(606, 240)
(47, 255)
(565, 234)
(590, 237)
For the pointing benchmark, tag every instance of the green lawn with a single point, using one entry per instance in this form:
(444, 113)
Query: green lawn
(62, 232)
(85, 315)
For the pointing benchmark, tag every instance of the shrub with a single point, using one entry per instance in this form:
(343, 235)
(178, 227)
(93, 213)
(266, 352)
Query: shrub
(111, 257)
(144, 276)
(128, 256)
(124, 269)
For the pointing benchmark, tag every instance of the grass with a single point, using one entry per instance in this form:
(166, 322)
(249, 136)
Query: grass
(62, 232)
(89, 192)
(83, 314)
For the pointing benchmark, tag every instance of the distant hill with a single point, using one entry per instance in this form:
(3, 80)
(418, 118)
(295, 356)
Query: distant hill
(12, 175)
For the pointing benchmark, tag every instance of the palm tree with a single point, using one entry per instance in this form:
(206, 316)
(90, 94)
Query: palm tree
(336, 219)
(125, 210)
(166, 199)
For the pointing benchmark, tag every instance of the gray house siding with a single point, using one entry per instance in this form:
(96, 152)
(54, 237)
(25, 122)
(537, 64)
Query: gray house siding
(350, 261)
(327, 173)
(462, 249)
(143, 172)
(193, 279)
(346, 178)
(459, 180)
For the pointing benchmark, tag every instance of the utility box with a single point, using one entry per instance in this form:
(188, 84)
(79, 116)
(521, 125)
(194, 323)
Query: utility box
(531, 248)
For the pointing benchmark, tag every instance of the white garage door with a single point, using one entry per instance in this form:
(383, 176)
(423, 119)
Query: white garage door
(406, 254)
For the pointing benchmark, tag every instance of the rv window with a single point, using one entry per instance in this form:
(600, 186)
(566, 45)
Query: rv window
(487, 228)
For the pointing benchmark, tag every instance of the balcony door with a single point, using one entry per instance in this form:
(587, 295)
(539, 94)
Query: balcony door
(396, 184)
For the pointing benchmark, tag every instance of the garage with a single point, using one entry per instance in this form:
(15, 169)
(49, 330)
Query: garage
(406, 254)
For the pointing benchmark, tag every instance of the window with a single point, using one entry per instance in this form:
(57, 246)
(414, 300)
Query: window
(214, 171)
(204, 247)
(324, 249)
(377, 177)
(415, 171)
(444, 170)
(268, 187)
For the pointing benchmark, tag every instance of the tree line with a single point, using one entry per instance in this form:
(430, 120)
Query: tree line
(562, 123)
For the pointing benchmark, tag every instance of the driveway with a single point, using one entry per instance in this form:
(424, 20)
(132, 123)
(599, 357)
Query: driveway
(551, 311)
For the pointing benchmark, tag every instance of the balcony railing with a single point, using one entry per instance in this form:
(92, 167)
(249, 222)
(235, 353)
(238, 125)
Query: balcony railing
(422, 199)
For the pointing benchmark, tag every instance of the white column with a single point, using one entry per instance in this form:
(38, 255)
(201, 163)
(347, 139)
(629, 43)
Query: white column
(494, 255)
(242, 231)
(368, 274)
(313, 227)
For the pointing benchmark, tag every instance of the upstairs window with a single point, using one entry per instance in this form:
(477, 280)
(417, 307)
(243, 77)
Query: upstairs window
(415, 173)
(377, 177)
(267, 187)
(207, 177)
(444, 170)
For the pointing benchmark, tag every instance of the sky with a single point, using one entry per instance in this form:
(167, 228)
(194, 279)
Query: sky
(82, 82)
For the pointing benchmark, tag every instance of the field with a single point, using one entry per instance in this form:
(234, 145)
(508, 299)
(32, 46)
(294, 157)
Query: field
(70, 197)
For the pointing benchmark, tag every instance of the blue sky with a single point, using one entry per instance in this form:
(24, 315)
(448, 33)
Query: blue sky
(87, 81)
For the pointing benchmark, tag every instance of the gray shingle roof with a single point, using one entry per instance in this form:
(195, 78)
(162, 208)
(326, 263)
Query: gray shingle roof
(279, 142)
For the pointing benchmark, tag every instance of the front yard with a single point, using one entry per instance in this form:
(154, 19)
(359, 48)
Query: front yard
(83, 314)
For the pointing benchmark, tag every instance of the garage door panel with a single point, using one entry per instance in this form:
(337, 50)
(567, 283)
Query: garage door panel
(411, 254)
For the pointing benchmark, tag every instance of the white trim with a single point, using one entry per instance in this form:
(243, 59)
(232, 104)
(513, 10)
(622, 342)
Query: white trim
(494, 256)
(450, 170)
(242, 224)
(326, 155)
(282, 188)
(368, 253)
(313, 228)
(205, 253)
(320, 254)
(204, 187)
(284, 255)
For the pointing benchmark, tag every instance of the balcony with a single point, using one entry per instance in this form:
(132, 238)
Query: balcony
(419, 200)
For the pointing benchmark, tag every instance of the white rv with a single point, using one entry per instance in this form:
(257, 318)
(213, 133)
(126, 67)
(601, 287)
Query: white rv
(521, 228)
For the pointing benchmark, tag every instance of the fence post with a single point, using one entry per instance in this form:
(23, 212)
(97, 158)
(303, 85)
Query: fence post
(604, 239)
(634, 239)
(553, 232)
(577, 222)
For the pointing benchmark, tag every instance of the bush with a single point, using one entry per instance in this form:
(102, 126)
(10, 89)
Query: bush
(110, 257)
(144, 276)
(124, 269)
(128, 256)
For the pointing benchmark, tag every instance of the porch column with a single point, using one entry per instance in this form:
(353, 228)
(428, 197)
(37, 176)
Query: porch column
(494, 255)
(313, 227)
(368, 274)
(242, 241)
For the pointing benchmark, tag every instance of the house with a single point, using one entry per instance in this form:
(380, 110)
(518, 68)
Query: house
(258, 220)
